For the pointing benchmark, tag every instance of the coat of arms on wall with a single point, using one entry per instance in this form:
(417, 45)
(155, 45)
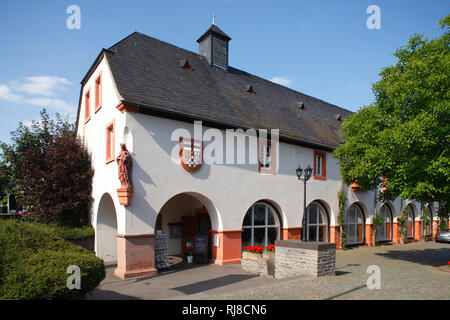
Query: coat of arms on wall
(191, 154)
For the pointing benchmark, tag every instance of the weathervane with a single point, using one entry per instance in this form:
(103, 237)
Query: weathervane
(214, 18)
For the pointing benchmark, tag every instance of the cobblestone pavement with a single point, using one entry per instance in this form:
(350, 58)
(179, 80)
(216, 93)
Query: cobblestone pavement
(409, 271)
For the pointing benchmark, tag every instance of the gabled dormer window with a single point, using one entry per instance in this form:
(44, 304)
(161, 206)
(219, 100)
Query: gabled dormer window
(320, 165)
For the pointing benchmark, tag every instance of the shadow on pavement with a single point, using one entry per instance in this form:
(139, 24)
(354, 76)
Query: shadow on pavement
(99, 294)
(428, 257)
(346, 292)
(213, 283)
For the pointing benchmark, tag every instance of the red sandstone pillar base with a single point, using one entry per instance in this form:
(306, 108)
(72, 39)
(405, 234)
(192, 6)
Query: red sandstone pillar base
(135, 256)
(335, 236)
(396, 237)
(229, 249)
(418, 230)
(369, 235)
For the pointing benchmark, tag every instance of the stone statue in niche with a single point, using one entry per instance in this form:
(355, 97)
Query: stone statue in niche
(124, 163)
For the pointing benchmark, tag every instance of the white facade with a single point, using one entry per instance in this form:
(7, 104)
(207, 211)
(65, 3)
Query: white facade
(227, 191)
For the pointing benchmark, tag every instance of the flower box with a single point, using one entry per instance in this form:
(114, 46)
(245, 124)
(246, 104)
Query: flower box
(251, 256)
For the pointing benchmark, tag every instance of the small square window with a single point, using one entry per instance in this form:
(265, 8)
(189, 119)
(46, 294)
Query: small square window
(320, 165)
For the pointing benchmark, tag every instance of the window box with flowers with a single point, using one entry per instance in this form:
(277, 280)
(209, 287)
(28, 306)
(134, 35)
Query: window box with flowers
(259, 259)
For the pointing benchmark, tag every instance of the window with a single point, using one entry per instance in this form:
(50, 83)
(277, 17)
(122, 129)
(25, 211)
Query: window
(267, 156)
(320, 165)
(316, 223)
(409, 222)
(261, 226)
(384, 231)
(87, 106)
(98, 92)
(354, 225)
(110, 140)
(427, 229)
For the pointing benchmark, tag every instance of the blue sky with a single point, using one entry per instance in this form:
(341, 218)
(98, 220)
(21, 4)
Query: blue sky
(321, 48)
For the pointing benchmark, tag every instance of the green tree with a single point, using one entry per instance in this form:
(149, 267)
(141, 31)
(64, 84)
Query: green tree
(49, 171)
(405, 134)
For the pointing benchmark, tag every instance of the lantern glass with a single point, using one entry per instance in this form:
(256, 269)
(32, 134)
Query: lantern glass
(308, 172)
(299, 171)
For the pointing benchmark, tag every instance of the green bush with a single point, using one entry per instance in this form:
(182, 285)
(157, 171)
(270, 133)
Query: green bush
(34, 259)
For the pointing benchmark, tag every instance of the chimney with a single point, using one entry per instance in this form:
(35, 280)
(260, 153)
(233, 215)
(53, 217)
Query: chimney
(213, 45)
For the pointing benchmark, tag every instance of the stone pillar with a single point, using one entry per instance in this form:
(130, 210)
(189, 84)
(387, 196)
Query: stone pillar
(294, 257)
(395, 233)
(369, 235)
(294, 233)
(335, 236)
(135, 255)
(417, 230)
(230, 246)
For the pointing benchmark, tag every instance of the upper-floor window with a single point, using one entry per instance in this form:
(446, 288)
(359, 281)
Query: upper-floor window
(98, 92)
(87, 106)
(267, 156)
(110, 140)
(320, 165)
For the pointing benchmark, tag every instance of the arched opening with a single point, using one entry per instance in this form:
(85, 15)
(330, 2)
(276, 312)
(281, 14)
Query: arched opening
(428, 214)
(261, 225)
(354, 221)
(317, 222)
(186, 221)
(409, 222)
(106, 241)
(384, 232)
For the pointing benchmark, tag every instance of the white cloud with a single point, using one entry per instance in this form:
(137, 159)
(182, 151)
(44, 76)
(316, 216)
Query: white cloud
(281, 80)
(6, 94)
(55, 104)
(41, 85)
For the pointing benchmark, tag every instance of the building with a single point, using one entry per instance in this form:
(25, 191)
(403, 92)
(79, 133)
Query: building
(149, 94)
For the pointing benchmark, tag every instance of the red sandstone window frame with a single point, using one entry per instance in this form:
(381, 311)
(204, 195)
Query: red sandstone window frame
(98, 92)
(323, 165)
(273, 164)
(110, 141)
(87, 106)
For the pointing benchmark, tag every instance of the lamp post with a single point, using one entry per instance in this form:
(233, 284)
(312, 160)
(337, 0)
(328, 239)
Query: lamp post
(305, 177)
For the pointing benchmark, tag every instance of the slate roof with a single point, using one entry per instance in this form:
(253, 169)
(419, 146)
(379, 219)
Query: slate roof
(147, 73)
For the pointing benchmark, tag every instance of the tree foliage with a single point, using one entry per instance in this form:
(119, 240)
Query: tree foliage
(405, 134)
(49, 171)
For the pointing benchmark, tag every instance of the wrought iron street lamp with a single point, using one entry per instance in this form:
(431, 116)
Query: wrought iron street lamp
(305, 177)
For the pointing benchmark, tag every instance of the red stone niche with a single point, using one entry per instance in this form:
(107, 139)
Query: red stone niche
(135, 255)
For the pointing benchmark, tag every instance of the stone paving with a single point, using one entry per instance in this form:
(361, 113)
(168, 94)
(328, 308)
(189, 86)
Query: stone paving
(411, 271)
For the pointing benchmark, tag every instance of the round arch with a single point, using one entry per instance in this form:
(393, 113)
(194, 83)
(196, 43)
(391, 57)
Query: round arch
(262, 224)
(411, 213)
(106, 229)
(318, 221)
(354, 223)
(185, 216)
(384, 232)
(428, 211)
